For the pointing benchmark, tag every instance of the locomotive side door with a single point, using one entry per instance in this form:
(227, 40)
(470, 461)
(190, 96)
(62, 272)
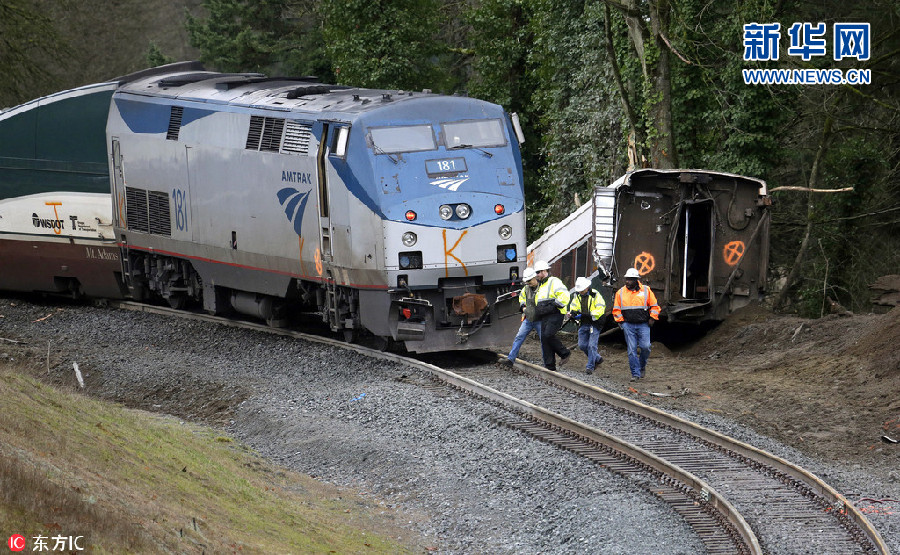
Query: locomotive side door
(118, 184)
(324, 199)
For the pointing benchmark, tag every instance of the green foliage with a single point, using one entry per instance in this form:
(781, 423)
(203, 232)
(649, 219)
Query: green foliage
(582, 138)
(28, 42)
(275, 36)
(382, 44)
(156, 58)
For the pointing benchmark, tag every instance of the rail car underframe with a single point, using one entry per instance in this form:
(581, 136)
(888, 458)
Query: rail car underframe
(707, 232)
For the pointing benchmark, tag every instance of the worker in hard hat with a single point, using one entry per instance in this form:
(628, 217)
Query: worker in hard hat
(635, 310)
(552, 303)
(527, 305)
(587, 307)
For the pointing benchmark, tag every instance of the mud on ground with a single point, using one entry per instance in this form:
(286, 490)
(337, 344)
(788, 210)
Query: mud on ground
(828, 387)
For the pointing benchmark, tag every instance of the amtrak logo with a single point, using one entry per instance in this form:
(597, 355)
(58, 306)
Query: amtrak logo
(449, 183)
(294, 202)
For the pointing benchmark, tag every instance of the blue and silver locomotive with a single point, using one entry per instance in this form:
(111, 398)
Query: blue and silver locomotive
(394, 212)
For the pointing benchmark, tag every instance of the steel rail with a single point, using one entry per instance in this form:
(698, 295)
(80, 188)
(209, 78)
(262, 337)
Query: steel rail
(840, 506)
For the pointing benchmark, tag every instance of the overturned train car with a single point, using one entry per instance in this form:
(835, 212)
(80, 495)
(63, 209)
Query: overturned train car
(700, 239)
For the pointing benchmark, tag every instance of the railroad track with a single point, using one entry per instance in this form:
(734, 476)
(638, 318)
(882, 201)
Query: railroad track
(737, 498)
(790, 509)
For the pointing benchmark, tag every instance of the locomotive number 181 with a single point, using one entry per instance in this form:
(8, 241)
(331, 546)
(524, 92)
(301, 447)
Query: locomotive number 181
(445, 166)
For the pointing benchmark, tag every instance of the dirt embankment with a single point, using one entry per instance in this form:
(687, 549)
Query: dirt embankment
(830, 387)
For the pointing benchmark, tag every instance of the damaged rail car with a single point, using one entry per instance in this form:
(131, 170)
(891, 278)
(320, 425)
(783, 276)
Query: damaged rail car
(699, 238)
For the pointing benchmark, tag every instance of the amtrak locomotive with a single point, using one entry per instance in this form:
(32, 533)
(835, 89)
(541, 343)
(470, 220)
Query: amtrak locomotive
(395, 212)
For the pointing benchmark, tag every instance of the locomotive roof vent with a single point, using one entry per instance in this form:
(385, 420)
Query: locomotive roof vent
(308, 90)
(185, 79)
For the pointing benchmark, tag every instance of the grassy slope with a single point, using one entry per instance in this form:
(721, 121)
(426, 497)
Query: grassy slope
(131, 481)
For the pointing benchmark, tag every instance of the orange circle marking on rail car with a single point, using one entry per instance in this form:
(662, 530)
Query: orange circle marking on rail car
(644, 263)
(318, 261)
(733, 252)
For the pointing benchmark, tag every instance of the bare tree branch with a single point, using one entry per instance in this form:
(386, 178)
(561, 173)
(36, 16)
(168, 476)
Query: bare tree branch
(673, 49)
(810, 189)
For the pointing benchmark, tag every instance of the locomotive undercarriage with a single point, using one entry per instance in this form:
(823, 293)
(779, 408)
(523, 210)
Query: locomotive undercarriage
(441, 319)
(177, 282)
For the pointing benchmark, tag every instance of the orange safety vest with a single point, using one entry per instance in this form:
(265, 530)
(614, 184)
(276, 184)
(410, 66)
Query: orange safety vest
(636, 307)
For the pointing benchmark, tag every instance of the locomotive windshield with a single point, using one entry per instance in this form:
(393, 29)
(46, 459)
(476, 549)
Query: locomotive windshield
(473, 133)
(408, 138)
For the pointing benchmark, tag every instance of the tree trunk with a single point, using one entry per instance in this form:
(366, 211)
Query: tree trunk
(662, 147)
(633, 120)
(804, 245)
(657, 77)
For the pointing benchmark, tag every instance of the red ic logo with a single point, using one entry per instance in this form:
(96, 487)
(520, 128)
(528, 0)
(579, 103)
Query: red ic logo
(16, 542)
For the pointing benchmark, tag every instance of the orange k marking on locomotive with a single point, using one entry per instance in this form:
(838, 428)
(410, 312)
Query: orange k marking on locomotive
(450, 253)
(56, 230)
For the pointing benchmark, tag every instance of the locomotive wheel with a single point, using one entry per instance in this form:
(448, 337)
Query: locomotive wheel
(275, 322)
(177, 301)
(350, 335)
(139, 293)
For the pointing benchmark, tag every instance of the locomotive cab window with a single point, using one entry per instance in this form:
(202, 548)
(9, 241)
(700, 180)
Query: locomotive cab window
(473, 133)
(339, 137)
(407, 138)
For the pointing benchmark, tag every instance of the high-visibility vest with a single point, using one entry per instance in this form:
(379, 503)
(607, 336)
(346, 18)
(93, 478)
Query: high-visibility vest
(596, 305)
(526, 293)
(553, 288)
(635, 307)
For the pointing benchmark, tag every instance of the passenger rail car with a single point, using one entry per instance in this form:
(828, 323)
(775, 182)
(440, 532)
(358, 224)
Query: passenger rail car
(698, 238)
(56, 232)
(395, 212)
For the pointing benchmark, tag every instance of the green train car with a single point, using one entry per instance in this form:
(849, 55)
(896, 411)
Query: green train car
(56, 232)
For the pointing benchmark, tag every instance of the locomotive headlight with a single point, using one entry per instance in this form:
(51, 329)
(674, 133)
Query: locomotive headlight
(446, 212)
(409, 239)
(505, 232)
(463, 211)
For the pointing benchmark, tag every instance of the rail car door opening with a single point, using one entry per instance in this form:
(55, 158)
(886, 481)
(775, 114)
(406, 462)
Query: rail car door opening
(692, 258)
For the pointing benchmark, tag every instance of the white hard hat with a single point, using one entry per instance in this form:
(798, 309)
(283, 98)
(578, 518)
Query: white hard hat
(632, 272)
(529, 274)
(541, 265)
(582, 283)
